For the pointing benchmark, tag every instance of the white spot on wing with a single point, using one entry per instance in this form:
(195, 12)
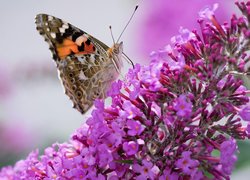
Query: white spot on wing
(80, 39)
(65, 26)
(50, 18)
(62, 30)
(82, 76)
(53, 35)
(92, 58)
(81, 59)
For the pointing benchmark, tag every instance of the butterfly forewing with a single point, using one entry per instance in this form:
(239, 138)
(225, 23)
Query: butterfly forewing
(85, 68)
(65, 39)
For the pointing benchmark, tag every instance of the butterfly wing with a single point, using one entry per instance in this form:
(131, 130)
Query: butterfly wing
(82, 61)
(65, 39)
(85, 79)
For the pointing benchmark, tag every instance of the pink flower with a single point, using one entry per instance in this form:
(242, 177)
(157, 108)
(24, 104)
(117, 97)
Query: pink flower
(130, 147)
(228, 157)
(135, 127)
(129, 110)
(245, 113)
(145, 170)
(208, 12)
(184, 36)
(183, 107)
(168, 175)
(186, 163)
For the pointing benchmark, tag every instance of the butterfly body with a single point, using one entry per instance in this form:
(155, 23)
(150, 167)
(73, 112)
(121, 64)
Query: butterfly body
(86, 66)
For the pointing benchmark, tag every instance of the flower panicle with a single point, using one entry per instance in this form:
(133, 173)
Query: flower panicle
(167, 120)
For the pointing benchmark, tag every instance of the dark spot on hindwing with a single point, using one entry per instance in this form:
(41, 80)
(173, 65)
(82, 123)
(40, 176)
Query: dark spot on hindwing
(71, 75)
(74, 87)
(79, 94)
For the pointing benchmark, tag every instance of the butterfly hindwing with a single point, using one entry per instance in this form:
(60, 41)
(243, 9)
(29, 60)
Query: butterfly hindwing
(83, 79)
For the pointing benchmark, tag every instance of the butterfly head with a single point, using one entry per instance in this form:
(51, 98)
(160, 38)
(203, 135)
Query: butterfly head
(115, 54)
(116, 49)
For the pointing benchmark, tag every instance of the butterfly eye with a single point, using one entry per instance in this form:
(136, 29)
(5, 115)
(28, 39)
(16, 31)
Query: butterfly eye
(116, 51)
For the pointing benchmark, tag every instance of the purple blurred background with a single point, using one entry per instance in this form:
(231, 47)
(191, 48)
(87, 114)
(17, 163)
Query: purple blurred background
(163, 18)
(34, 111)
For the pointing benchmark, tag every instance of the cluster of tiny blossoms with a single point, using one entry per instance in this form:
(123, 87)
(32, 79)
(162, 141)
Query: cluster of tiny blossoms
(177, 118)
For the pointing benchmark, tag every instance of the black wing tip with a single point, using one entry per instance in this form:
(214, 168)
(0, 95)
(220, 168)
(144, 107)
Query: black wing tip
(39, 20)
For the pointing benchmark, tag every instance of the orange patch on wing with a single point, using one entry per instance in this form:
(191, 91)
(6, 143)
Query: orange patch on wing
(88, 49)
(68, 47)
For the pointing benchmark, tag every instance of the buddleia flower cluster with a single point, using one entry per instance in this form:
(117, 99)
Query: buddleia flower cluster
(177, 118)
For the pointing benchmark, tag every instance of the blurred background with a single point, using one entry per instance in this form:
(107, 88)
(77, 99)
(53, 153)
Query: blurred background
(34, 111)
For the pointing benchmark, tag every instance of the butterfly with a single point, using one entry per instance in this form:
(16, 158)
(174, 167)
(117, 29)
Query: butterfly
(86, 66)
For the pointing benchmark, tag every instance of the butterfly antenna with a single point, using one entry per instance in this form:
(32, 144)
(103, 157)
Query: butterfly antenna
(110, 28)
(129, 60)
(136, 7)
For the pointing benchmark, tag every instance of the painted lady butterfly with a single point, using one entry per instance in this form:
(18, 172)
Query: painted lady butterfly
(86, 66)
